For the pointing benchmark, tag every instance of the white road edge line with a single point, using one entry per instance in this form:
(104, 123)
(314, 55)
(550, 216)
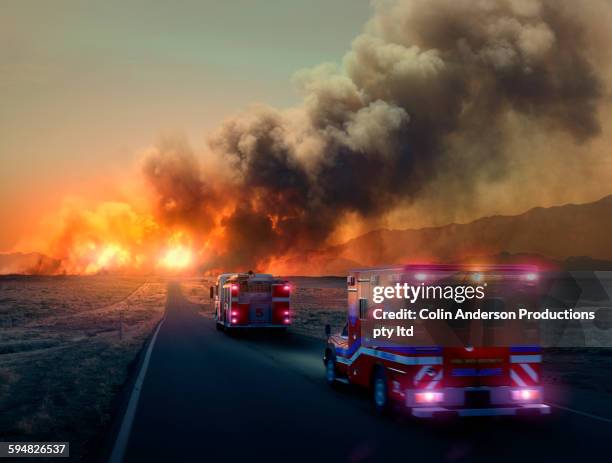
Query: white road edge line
(128, 419)
(579, 412)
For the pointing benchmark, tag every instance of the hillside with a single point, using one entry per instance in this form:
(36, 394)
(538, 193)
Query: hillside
(555, 233)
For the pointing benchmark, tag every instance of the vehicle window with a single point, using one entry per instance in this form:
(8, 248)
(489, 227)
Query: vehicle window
(363, 308)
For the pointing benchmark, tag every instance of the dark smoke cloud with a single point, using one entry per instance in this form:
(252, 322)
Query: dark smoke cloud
(181, 196)
(431, 86)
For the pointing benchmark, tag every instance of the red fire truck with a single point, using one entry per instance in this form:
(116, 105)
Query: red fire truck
(251, 300)
(444, 379)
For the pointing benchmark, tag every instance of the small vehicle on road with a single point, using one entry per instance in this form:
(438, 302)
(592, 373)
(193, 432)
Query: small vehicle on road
(442, 380)
(245, 301)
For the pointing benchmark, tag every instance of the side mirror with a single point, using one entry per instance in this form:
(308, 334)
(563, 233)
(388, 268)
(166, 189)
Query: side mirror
(212, 292)
(327, 329)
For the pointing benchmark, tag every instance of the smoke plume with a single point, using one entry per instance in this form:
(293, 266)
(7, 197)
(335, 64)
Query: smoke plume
(431, 90)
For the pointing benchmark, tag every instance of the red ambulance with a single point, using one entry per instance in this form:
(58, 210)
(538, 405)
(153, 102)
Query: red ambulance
(251, 301)
(460, 379)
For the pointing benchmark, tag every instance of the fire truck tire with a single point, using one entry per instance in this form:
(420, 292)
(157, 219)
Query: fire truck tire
(219, 326)
(380, 391)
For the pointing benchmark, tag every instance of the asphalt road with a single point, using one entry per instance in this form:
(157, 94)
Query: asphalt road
(211, 397)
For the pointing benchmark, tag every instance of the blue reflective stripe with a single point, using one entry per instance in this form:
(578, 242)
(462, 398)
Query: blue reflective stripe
(521, 349)
(407, 349)
(402, 359)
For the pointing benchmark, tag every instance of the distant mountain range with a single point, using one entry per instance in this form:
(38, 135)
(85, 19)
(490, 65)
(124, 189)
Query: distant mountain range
(573, 236)
(576, 237)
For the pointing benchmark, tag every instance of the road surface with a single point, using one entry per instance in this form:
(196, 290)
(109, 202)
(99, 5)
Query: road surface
(210, 397)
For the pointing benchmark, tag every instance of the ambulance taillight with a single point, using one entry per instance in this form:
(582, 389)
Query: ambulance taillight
(428, 397)
(525, 395)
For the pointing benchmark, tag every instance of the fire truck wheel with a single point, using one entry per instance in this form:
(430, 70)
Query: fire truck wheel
(380, 394)
(219, 326)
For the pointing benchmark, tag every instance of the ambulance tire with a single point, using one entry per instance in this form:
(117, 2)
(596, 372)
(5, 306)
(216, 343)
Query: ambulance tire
(380, 391)
(330, 371)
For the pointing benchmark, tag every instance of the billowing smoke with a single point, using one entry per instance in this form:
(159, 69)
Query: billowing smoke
(181, 197)
(434, 93)
(442, 109)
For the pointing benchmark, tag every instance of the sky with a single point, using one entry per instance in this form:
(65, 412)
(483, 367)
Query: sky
(85, 86)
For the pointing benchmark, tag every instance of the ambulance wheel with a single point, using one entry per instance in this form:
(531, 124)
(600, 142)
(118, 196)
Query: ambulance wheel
(330, 371)
(380, 391)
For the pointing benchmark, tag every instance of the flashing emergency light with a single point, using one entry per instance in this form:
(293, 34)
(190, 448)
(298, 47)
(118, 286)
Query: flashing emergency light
(287, 288)
(420, 276)
(477, 277)
(286, 321)
(531, 276)
(525, 395)
(428, 397)
(234, 320)
(286, 313)
(234, 313)
(234, 289)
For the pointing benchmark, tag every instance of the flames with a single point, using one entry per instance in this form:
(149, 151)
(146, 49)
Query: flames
(177, 255)
(117, 238)
(93, 258)
(111, 256)
(176, 258)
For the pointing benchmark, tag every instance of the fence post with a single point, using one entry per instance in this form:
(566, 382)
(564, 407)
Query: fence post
(120, 324)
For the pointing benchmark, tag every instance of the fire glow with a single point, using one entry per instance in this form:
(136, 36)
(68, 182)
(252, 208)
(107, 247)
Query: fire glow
(176, 258)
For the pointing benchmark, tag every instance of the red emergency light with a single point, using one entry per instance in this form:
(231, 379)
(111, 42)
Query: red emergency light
(525, 395)
(428, 397)
(234, 289)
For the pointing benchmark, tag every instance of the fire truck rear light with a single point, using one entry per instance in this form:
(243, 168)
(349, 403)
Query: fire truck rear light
(234, 313)
(235, 287)
(234, 320)
(525, 395)
(286, 321)
(287, 288)
(428, 397)
(286, 313)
